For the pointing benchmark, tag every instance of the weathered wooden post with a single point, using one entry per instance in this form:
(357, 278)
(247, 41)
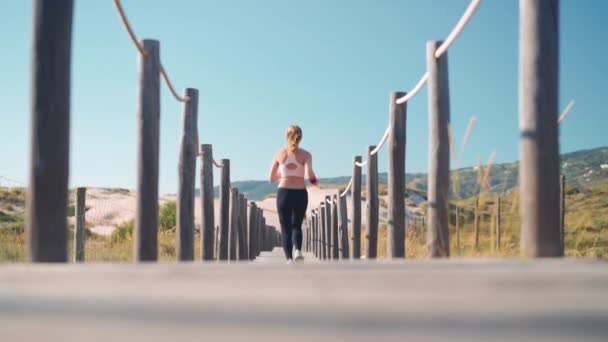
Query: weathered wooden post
(234, 223)
(335, 241)
(328, 228)
(497, 223)
(372, 214)
(186, 170)
(225, 210)
(562, 215)
(216, 253)
(324, 240)
(343, 227)
(207, 202)
(242, 240)
(396, 178)
(79, 234)
(260, 232)
(315, 232)
(50, 131)
(539, 146)
(476, 223)
(458, 228)
(356, 204)
(148, 122)
(438, 234)
(252, 230)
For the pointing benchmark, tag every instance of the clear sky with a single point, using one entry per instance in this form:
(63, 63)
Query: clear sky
(328, 66)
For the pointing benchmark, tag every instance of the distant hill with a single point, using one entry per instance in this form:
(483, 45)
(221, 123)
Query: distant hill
(580, 167)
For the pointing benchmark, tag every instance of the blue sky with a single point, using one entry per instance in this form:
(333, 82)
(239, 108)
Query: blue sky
(328, 66)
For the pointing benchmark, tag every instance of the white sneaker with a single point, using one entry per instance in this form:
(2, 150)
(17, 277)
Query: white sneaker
(289, 262)
(299, 257)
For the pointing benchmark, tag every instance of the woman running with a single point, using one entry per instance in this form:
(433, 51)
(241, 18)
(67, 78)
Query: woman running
(289, 167)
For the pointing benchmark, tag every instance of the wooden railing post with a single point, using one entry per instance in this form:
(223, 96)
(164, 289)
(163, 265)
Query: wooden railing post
(260, 232)
(252, 230)
(328, 228)
(79, 234)
(539, 146)
(50, 135)
(225, 210)
(498, 223)
(148, 121)
(314, 232)
(372, 214)
(335, 240)
(356, 204)
(396, 178)
(458, 229)
(234, 224)
(186, 170)
(438, 234)
(476, 223)
(207, 203)
(562, 214)
(343, 227)
(242, 232)
(324, 254)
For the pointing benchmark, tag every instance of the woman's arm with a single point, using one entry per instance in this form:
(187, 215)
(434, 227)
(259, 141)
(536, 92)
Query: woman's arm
(274, 174)
(311, 174)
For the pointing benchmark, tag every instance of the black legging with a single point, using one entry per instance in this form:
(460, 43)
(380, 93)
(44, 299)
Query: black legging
(291, 206)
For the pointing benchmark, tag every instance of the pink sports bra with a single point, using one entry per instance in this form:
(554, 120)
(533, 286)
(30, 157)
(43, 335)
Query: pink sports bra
(298, 171)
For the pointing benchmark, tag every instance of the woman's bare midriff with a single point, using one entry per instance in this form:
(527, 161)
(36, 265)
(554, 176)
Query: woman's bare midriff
(292, 183)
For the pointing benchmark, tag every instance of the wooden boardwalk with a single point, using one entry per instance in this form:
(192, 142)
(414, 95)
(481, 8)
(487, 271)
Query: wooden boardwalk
(267, 300)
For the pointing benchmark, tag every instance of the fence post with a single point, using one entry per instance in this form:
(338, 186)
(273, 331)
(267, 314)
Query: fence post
(396, 178)
(225, 210)
(335, 241)
(438, 235)
(498, 223)
(356, 204)
(50, 135)
(476, 223)
(260, 232)
(252, 228)
(234, 224)
(79, 234)
(186, 170)
(324, 254)
(243, 250)
(313, 215)
(207, 203)
(328, 228)
(343, 223)
(372, 204)
(458, 229)
(539, 146)
(562, 209)
(148, 118)
(216, 252)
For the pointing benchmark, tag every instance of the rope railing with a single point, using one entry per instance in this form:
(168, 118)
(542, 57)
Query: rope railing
(566, 112)
(382, 141)
(218, 165)
(464, 20)
(414, 91)
(127, 25)
(347, 189)
(361, 164)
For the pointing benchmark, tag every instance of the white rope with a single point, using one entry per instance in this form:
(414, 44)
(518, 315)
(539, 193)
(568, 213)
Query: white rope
(414, 91)
(466, 17)
(218, 165)
(382, 141)
(362, 164)
(350, 183)
(328, 200)
(565, 112)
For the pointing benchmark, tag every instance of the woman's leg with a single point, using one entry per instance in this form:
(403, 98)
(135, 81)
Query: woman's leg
(284, 209)
(299, 211)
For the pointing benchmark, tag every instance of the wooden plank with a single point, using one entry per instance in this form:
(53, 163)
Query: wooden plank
(148, 122)
(186, 171)
(539, 146)
(79, 234)
(47, 227)
(252, 230)
(356, 205)
(396, 178)
(372, 213)
(207, 202)
(343, 227)
(224, 210)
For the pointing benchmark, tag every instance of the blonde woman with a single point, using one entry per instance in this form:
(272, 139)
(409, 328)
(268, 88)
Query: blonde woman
(290, 166)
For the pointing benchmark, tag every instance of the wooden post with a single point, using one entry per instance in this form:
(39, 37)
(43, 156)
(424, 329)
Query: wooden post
(79, 234)
(50, 131)
(477, 223)
(186, 170)
(356, 204)
(438, 234)
(242, 232)
(225, 210)
(458, 229)
(343, 223)
(498, 223)
(216, 253)
(260, 236)
(334, 229)
(207, 202)
(372, 214)
(148, 118)
(324, 254)
(315, 232)
(252, 227)
(234, 224)
(266, 234)
(562, 215)
(328, 228)
(539, 146)
(396, 178)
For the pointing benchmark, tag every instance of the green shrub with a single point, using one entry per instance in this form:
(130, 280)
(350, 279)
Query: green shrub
(167, 216)
(571, 190)
(123, 231)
